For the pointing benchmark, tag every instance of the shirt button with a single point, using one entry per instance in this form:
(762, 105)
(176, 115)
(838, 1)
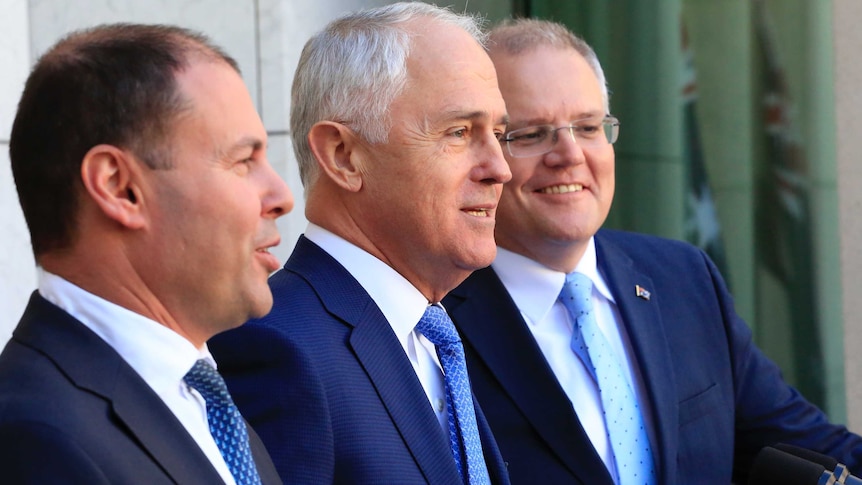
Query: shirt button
(440, 405)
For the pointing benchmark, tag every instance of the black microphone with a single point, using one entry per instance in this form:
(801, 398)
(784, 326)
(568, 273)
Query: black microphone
(776, 467)
(839, 470)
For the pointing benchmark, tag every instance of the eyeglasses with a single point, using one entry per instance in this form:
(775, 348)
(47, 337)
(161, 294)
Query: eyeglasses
(538, 140)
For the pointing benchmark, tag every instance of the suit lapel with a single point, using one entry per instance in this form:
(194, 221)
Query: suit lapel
(493, 458)
(95, 367)
(643, 323)
(157, 429)
(381, 355)
(491, 324)
(265, 467)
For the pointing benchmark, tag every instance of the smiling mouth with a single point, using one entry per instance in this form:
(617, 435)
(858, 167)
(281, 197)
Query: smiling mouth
(561, 189)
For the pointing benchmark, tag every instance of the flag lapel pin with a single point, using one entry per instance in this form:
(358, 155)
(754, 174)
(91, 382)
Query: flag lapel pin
(642, 292)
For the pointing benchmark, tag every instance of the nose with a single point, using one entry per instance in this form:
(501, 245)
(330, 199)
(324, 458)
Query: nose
(494, 169)
(278, 199)
(566, 149)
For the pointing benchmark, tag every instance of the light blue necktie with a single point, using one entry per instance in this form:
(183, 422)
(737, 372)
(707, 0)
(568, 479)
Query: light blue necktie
(623, 419)
(226, 424)
(437, 327)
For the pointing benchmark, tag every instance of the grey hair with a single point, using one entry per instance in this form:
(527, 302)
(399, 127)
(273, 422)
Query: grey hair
(353, 69)
(517, 36)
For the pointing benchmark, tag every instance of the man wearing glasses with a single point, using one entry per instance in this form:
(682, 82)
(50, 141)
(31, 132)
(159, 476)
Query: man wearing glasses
(604, 357)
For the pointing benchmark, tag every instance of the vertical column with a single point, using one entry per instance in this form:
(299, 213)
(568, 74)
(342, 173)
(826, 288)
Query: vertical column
(848, 105)
(17, 268)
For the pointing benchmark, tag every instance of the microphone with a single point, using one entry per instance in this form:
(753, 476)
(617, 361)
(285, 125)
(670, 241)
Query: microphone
(775, 467)
(839, 470)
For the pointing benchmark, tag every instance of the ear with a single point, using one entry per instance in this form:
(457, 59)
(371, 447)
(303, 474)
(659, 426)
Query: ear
(110, 177)
(334, 146)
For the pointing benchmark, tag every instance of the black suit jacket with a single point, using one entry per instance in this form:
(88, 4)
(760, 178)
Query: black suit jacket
(326, 383)
(716, 400)
(73, 411)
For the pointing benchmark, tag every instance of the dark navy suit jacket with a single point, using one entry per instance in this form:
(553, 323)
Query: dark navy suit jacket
(716, 399)
(73, 411)
(327, 385)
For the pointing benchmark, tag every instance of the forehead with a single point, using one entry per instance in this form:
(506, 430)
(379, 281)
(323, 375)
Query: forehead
(220, 110)
(213, 86)
(448, 71)
(548, 84)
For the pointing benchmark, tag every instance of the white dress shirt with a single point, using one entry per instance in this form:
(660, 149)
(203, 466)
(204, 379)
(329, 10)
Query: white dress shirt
(535, 290)
(402, 305)
(159, 355)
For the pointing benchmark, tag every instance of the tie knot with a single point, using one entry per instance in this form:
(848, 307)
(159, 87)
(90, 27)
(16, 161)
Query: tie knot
(208, 382)
(576, 293)
(437, 327)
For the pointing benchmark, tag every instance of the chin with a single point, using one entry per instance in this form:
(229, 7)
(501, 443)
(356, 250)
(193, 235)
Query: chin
(260, 306)
(264, 309)
(480, 259)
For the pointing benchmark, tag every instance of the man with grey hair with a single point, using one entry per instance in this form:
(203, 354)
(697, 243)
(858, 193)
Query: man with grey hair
(357, 375)
(603, 357)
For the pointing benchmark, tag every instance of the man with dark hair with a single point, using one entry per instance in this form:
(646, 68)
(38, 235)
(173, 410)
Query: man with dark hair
(357, 375)
(604, 357)
(140, 165)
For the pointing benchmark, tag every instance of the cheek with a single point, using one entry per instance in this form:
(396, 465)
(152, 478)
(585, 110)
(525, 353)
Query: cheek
(236, 217)
(603, 166)
(521, 174)
(513, 194)
(608, 178)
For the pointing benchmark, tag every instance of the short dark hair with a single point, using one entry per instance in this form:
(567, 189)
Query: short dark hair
(111, 84)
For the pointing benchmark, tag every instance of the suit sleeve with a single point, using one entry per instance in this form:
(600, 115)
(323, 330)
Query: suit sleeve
(35, 453)
(767, 409)
(279, 393)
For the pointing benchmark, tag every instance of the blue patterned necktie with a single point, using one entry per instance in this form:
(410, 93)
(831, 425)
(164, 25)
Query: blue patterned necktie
(226, 424)
(623, 418)
(437, 327)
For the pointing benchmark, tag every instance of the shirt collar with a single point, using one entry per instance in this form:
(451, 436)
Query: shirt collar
(535, 287)
(159, 355)
(399, 301)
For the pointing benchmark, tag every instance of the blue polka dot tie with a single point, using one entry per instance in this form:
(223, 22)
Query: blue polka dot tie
(226, 424)
(437, 327)
(623, 419)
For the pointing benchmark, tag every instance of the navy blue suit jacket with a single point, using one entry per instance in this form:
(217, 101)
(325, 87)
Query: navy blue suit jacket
(327, 385)
(73, 411)
(716, 399)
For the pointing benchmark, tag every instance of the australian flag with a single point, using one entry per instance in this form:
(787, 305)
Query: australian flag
(701, 221)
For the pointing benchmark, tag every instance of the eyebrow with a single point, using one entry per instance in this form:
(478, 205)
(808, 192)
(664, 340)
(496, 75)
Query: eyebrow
(544, 121)
(246, 142)
(472, 115)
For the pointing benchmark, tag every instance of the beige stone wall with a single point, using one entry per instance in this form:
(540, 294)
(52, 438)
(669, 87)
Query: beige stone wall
(848, 96)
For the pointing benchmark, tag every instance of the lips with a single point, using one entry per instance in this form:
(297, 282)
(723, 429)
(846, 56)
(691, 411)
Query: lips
(484, 211)
(477, 212)
(269, 260)
(561, 189)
